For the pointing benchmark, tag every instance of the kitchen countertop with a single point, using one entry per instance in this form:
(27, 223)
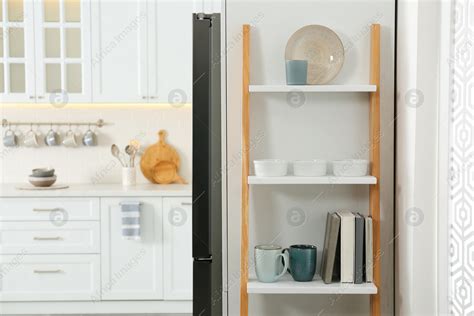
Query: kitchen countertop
(100, 190)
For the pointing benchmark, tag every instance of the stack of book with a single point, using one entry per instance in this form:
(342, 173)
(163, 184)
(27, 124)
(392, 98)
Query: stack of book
(348, 248)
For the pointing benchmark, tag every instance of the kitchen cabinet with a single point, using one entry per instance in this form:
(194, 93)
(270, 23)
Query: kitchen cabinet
(46, 209)
(132, 269)
(142, 52)
(17, 51)
(83, 51)
(119, 51)
(63, 51)
(43, 237)
(45, 51)
(49, 277)
(63, 250)
(178, 266)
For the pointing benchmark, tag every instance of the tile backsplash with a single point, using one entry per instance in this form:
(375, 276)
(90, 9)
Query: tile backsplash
(95, 164)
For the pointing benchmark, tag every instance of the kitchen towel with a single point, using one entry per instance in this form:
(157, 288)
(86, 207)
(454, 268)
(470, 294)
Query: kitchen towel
(130, 220)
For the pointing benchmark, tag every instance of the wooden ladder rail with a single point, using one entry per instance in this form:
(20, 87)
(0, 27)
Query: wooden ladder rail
(375, 136)
(244, 246)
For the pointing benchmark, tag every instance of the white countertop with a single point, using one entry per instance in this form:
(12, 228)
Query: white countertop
(100, 190)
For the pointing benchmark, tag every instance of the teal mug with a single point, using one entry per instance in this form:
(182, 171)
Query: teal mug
(270, 263)
(302, 262)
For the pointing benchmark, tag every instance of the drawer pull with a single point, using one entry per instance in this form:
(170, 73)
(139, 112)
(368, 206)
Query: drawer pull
(47, 271)
(45, 209)
(186, 204)
(47, 238)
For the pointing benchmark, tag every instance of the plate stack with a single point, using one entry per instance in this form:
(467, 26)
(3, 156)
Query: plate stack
(42, 177)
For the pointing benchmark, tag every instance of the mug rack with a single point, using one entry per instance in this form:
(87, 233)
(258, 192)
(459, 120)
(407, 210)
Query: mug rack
(99, 123)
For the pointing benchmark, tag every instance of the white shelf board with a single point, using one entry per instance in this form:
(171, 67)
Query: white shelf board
(286, 285)
(312, 180)
(314, 88)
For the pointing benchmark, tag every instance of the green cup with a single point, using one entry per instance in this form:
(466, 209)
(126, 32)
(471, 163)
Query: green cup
(302, 262)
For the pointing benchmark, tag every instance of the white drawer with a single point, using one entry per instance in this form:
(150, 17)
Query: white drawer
(48, 238)
(58, 210)
(49, 278)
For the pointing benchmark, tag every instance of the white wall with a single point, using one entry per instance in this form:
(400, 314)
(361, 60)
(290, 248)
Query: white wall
(329, 126)
(423, 55)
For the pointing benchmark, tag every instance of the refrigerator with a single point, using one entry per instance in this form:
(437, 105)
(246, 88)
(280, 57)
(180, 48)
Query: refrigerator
(207, 171)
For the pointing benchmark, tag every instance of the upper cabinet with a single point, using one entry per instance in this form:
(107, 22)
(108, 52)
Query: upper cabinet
(45, 51)
(119, 51)
(63, 51)
(142, 51)
(17, 80)
(60, 51)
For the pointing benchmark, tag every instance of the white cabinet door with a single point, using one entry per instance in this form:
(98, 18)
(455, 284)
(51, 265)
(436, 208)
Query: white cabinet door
(178, 261)
(131, 269)
(119, 51)
(17, 51)
(63, 51)
(170, 52)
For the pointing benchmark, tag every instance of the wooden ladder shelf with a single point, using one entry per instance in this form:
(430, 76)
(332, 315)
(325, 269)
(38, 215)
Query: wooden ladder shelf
(373, 181)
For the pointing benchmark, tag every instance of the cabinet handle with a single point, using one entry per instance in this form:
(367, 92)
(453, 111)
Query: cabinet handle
(45, 209)
(31, 97)
(48, 271)
(186, 204)
(40, 97)
(144, 97)
(152, 97)
(47, 238)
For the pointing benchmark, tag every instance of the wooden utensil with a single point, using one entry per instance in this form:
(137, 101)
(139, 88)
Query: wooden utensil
(154, 155)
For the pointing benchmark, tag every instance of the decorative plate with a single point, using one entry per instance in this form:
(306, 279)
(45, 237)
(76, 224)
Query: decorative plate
(321, 47)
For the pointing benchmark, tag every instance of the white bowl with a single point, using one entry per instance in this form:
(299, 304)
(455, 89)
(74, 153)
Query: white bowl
(310, 168)
(350, 167)
(270, 167)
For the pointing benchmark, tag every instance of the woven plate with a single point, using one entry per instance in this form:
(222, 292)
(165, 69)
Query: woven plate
(30, 187)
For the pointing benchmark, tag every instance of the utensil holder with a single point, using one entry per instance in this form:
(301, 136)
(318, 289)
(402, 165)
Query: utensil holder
(129, 176)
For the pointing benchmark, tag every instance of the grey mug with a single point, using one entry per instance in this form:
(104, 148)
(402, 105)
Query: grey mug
(89, 138)
(10, 139)
(52, 138)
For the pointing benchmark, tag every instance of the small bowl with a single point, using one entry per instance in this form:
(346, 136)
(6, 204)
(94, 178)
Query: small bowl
(42, 181)
(350, 167)
(270, 167)
(43, 172)
(310, 168)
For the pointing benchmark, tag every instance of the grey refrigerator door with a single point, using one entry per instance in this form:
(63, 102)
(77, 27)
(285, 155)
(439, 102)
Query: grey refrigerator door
(207, 199)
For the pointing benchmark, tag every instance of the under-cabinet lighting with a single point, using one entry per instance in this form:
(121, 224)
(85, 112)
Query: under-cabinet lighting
(97, 106)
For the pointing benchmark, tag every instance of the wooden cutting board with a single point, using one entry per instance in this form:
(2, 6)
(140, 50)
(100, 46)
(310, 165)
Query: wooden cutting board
(160, 162)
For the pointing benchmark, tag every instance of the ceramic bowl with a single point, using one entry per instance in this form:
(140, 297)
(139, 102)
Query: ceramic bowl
(42, 181)
(270, 167)
(43, 172)
(310, 168)
(350, 167)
